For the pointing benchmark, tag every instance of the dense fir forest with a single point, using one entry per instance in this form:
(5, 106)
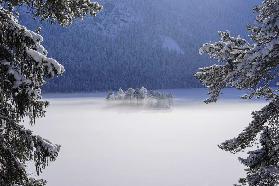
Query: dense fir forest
(131, 43)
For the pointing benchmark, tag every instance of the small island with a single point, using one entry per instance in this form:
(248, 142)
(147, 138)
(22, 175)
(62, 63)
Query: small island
(141, 96)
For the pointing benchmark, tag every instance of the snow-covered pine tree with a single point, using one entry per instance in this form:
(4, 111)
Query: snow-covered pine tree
(130, 93)
(143, 93)
(252, 67)
(24, 69)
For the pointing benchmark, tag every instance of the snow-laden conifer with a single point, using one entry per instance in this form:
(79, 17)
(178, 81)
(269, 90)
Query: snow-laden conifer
(24, 68)
(252, 67)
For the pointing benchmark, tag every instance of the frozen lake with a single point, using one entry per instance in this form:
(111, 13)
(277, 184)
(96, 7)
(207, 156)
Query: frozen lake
(109, 145)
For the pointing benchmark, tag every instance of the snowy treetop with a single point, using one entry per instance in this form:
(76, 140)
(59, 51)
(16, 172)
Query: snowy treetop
(245, 65)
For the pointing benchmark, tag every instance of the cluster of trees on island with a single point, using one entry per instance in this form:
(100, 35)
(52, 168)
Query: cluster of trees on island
(142, 96)
(25, 67)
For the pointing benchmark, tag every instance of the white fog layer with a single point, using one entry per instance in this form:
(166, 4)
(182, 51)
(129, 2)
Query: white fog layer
(105, 144)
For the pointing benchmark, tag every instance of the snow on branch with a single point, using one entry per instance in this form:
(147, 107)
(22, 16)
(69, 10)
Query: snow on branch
(251, 67)
(22, 47)
(62, 12)
(245, 66)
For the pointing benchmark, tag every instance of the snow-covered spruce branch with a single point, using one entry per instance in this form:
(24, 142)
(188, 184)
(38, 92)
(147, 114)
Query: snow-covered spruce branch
(29, 145)
(252, 67)
(62, 12)
(267, 115)
(22, 47)
(24, 68)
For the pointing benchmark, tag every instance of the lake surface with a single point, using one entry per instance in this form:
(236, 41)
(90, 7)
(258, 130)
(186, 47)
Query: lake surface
(107, 144)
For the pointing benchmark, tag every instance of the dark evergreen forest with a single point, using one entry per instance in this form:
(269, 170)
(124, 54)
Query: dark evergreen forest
(133, 43)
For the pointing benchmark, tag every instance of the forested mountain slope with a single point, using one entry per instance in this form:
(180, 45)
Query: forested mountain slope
(132, 43)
